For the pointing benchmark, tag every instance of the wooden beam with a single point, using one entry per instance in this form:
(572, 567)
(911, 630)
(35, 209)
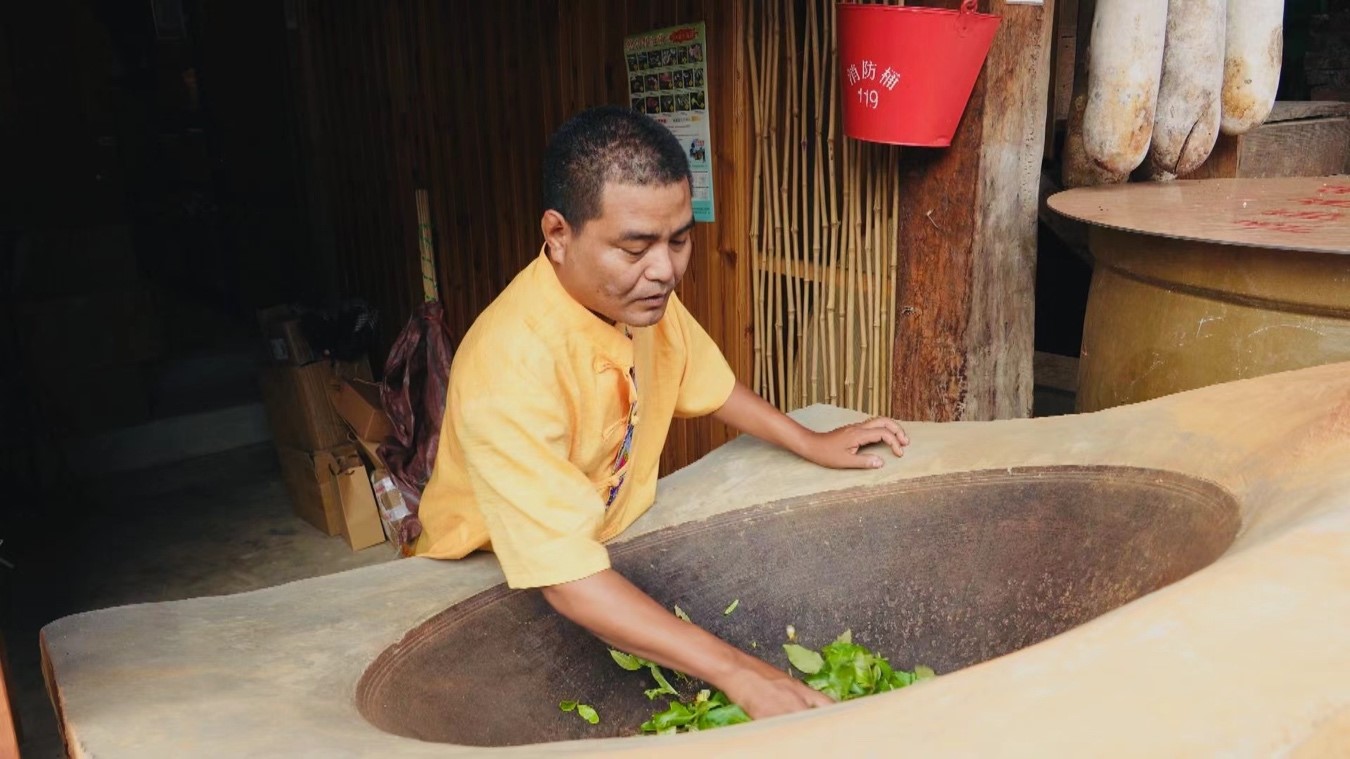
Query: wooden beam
(965, 288)
(1299, 139)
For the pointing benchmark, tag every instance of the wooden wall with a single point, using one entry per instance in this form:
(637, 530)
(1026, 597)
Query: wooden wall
(458, 99)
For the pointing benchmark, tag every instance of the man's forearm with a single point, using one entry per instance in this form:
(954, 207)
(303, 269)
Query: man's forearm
(620, 614)
(751, 414)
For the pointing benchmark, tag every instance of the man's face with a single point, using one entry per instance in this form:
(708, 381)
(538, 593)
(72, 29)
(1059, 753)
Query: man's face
(624, 264)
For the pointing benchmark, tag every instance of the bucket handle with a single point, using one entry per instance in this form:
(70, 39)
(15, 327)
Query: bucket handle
(968, 10)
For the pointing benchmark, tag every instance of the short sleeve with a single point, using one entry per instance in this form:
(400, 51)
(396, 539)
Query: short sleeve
(707, 381)
(542, 513)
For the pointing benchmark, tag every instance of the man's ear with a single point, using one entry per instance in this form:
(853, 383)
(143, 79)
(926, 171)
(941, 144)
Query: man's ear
(557, 233)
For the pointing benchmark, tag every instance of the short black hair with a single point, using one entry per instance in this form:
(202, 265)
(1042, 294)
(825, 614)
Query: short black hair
(607, 144)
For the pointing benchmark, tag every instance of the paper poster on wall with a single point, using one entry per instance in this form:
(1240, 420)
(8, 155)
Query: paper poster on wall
(668, 80)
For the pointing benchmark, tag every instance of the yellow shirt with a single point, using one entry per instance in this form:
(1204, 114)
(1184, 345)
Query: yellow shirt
(538, 407)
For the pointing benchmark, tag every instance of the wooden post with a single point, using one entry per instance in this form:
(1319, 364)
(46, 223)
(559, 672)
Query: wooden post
(965, 286)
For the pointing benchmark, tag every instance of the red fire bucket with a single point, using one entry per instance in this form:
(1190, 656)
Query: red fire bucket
(906, 73)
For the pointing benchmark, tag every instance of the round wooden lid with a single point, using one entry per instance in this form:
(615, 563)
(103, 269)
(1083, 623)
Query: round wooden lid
(1294, 213)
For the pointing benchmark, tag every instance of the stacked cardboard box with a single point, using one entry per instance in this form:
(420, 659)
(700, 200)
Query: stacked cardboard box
(359, 404)
(321, 467)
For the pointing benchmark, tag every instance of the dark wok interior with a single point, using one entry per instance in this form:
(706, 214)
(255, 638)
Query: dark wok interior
(947, 571)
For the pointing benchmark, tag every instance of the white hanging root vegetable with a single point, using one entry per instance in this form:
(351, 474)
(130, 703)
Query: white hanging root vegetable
(1251, 67)
(1124, 66)
(1077, 170)
(1187, 122)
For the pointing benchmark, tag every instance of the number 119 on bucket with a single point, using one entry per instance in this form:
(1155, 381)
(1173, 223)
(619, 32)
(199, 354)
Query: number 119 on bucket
(869, 98)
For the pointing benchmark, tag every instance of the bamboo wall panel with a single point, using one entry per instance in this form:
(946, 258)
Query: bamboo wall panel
(458, 99)
(823, 225)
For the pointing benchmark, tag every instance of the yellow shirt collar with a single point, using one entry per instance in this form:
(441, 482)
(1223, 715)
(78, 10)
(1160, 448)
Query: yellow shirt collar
(559, 311)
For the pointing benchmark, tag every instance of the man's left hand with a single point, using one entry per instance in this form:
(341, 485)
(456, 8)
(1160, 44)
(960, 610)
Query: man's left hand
(837, 449)
(841, 448)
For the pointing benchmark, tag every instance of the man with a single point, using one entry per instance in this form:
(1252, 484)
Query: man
(562, 392)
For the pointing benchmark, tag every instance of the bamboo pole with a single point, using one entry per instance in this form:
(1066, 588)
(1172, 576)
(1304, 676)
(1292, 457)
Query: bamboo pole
(834, 197)
(820, 225)
(775, 357)
(753, 55)
(881, 175)
(893, 252)
(430, 290)
(792, 192)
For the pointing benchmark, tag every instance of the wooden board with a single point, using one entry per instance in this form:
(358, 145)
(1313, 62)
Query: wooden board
(1300, 139)
(9, 725)
(965, 284)
(1295, 110)
(1299, 213)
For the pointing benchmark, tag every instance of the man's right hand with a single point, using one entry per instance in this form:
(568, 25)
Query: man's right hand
(620, 614)
(773, 693)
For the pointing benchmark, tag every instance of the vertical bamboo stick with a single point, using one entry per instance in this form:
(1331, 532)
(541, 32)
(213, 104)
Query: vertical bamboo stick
(820, 225)
(803, 217)
(893, 252)
(791, 192)
(835, 198)
(775, 345)
(754, 56)
(878, 274)
(430, 290)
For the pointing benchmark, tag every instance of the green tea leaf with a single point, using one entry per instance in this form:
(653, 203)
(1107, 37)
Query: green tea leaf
(731, 608)
(627, 661)
(680, 613)
(662, 682)
(588, 713)
(803, 658)
(845, 637)
(722, 716)
(675, 716)
(923, 673)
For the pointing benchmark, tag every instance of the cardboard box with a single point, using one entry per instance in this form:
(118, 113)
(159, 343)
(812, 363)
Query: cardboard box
(332, 490)
(286, 343)
(313, 488)
(360, 516)
(298, 406)
(370, 450)
(358, 403)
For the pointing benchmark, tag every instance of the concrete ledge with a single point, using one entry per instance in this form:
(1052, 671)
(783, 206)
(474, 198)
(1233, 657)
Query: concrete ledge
(1246, 657)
